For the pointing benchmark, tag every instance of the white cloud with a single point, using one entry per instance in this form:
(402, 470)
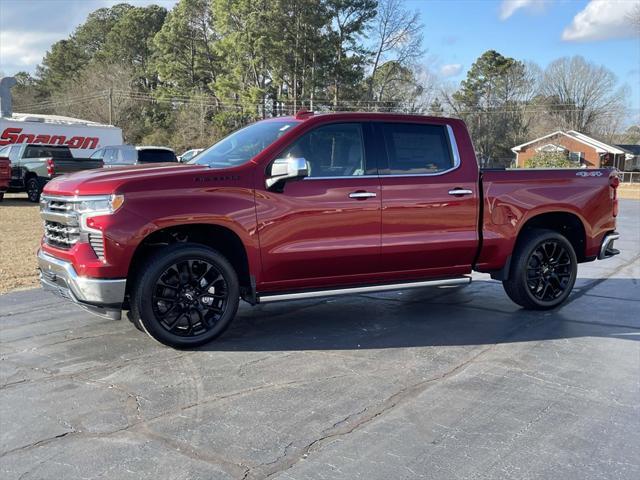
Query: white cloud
(24, 49)
(509, 7)
(450, 70)
(23, 41)
(601, 20)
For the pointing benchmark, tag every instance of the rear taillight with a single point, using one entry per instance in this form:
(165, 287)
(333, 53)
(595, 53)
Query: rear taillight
(614, 182)
(50, 167)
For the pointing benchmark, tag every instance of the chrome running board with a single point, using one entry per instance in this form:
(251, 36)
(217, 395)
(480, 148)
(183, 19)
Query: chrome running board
(278, 297)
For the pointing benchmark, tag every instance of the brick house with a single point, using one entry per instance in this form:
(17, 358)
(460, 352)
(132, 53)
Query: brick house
(585, 151)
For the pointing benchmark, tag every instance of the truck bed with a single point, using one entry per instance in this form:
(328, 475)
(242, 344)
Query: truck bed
(511, 197)
(62, 166)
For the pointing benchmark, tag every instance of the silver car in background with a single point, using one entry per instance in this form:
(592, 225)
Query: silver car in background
(117, 155)
(189, 154)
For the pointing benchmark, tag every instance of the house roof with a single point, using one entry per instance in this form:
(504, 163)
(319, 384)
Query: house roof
(599, 147)
(633, 149)
(606, 148)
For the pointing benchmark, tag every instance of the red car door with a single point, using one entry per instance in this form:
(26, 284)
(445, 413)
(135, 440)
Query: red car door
(429, 201)
(323, 229)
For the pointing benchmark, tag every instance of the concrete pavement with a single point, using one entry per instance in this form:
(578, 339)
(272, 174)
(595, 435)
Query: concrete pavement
(448, 383)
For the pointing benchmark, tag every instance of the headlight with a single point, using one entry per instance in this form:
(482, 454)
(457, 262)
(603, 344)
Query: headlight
(104, 204)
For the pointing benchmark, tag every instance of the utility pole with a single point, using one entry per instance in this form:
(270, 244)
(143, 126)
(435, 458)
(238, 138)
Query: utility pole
(110, 106)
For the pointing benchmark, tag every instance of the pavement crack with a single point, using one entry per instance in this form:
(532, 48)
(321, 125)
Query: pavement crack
(357, 420)
(39, 443)
(235, 469)
(365, 416)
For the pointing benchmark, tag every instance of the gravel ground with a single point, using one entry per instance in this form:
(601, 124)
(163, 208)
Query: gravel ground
(20, 232)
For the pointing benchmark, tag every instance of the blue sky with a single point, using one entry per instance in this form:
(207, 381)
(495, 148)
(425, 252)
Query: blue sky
(456, 32)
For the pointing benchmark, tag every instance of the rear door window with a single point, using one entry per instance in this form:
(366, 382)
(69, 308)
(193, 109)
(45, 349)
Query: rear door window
(417, 149)
(42, 151)
(156, 155)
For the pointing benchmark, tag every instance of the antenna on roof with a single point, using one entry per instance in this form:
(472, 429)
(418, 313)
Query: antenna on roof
(303, 113)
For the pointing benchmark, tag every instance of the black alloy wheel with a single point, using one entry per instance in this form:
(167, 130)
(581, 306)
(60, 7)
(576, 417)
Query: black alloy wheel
(33, 190)
(549, 271)
(190, 297)
(185, 296)
(543, 270)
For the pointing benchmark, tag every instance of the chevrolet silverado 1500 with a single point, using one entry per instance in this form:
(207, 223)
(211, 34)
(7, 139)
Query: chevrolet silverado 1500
(316, 205)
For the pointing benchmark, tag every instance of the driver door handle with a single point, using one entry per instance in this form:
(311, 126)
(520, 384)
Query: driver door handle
(361, 195)
(460, 191)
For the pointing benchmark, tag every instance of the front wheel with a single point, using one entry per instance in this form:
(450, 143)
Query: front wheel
(33, 190)
(186, 296)
(543, 270)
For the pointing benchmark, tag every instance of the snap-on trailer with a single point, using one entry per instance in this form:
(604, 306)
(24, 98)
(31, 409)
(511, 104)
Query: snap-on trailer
(81, 136)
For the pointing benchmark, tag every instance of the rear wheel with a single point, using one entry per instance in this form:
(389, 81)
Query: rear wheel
(186, 296)
(1, 196)
(33, 189)
(543, 270)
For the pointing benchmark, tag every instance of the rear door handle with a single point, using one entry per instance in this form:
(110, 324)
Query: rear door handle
(460, 191)
(361, 195)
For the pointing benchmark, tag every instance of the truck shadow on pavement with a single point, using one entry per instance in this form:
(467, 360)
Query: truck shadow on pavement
(473, 315)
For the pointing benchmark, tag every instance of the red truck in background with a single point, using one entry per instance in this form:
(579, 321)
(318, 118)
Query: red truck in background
(5, 175)
(316, 205)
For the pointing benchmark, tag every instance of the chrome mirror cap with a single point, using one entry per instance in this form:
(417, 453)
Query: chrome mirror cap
(286, 169)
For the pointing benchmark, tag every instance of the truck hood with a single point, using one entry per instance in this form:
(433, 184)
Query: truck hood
(109, 180)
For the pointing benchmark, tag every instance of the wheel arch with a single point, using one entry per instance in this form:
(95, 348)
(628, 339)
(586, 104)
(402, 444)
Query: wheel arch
(564, 222)
(215, 236)
(567, 224)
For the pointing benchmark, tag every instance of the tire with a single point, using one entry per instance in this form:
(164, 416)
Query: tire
(186, 295)
(33, 189)
(543, 270)
(1, 196)
(134, 320)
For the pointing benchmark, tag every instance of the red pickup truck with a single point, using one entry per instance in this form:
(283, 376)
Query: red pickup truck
(316, 205)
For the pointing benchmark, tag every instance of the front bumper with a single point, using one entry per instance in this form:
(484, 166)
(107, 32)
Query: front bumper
(102, 297)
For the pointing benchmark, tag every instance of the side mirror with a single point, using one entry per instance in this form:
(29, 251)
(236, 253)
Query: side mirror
(283, 169)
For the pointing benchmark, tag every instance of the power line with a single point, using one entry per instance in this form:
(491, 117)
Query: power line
(286, 106)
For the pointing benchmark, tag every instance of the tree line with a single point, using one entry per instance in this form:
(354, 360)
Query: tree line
(187, 76)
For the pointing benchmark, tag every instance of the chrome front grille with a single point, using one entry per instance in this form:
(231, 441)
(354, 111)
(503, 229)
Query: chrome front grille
(57, 205)
(59, 235)
(61, 227)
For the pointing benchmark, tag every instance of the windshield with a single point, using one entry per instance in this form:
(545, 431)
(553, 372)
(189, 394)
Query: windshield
(244, 144)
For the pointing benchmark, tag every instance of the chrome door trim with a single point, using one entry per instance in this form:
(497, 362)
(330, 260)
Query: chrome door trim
(454, 151)
(343, 177)
(266, 298)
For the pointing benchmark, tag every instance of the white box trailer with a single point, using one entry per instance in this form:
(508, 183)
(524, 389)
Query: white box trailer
(81, 136)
